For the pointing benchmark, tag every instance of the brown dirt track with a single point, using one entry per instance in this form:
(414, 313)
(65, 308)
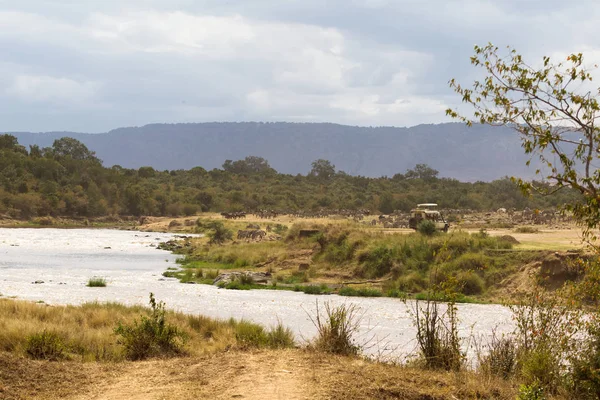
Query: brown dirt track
(261, 375)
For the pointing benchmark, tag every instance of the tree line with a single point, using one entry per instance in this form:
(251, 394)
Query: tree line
(67, 179)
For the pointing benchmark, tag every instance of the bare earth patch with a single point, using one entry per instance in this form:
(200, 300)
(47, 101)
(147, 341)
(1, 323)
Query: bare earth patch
(260, 375)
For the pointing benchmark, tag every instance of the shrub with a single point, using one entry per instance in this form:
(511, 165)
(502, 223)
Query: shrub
(362, 292)
(526, 229)
(531, 392)
(437, 335)
(280, 229)
(586, 365)
(540, 366)
(280, 337)
(251, 335)
(219, 233)
(151, 336)
(378, 261)
(470, 283)
(501, 357)
(45, 346)
(426, 227)
(412, 283)
(336, 329)
(312, 289)
(96, 282)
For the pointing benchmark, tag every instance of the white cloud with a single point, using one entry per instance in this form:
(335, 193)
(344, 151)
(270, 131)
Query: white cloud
(32, 88)
(364, 62)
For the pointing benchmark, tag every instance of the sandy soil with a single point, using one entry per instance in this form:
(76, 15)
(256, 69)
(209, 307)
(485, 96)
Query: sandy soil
(261, 375)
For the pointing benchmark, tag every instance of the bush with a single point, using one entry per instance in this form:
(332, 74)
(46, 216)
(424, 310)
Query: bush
(437, 335)
(412, 283)
(362, 292)
(531, 392)
(45, 346)
(426, 227)
(336, 329)
(96, 282)
(470, 283)
(526, 229)
(280, 229)
(312, 289)
(585, 367)
(280, 337)
(219, 233)
(501, 357)
(151, 336)
(251, 335)
(378, 261)
(540, 366)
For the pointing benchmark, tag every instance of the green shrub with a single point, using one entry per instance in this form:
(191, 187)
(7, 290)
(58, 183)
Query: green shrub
(526, 229)
(470, 283)
(280, 229)
(312, 289)
(336, 329)
(412, 283)
(218, 234)
(540, 366)
(437, 334)
(472, 262)
(377, 262)
(426, 227)
(251, 335)
(151, 336)
(45, 346)
(362, 292)
(585, 375)
(96, 282)
(501, 357)
(531, 392)
(280, 337)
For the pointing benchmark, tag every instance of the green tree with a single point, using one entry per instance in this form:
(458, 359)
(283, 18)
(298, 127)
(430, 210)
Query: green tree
(421, 171)
(249, 165)
(554, 110)
(322, 169)
(67, 147)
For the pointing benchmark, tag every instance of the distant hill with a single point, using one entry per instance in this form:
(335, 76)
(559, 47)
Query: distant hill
(468, 154)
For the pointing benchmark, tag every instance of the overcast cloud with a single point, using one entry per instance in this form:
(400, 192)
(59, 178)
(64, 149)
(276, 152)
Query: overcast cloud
(94, 65)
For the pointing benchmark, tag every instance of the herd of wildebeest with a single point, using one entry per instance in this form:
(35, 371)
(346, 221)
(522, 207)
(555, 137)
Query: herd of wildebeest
(399, 219)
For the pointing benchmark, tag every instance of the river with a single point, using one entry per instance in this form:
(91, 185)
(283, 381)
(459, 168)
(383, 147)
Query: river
(62, 260)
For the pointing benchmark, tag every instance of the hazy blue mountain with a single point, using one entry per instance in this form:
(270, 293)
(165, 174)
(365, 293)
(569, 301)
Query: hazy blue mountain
(477, 153)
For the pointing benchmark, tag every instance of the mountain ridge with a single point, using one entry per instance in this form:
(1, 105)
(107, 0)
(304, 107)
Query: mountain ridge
(477, 153)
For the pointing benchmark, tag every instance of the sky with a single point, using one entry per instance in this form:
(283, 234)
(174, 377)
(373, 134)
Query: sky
(96, 65)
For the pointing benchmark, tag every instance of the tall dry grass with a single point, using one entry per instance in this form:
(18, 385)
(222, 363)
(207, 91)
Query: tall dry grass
(87, 331)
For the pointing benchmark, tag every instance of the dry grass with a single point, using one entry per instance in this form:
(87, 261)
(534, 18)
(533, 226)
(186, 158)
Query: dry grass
(87, 331)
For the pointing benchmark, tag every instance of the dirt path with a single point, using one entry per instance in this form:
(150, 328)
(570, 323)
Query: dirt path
(252, 376)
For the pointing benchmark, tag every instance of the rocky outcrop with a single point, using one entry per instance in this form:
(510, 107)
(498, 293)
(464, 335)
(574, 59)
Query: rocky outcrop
(257, 277)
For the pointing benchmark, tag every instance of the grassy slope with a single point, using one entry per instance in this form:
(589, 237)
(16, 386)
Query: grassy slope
(350, 252)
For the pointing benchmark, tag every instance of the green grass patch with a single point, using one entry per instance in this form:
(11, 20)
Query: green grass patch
(96, 282)
(360, 292)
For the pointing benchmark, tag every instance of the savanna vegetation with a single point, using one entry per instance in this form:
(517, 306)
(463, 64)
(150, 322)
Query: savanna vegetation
(352, 259)
(68, 180)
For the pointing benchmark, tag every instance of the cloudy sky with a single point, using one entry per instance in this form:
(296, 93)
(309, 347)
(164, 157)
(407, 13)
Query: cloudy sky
(94, 65)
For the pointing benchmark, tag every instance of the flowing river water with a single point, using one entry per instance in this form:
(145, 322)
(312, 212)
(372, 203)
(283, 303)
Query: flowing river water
(62, 260)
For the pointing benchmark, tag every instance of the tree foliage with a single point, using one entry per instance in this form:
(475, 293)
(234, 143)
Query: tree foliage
(554, 109)
(71, 183)
(322, 169)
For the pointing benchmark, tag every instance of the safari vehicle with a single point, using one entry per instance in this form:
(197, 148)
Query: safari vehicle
(427, 211)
